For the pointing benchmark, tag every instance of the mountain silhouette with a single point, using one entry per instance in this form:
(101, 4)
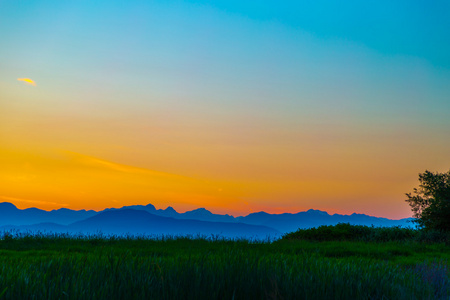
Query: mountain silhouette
(11, 215)
(130, 221)
(140, 222)
(286, 222)
(147, 220)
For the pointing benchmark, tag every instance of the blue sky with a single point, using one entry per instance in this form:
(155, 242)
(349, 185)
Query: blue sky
(247, 91)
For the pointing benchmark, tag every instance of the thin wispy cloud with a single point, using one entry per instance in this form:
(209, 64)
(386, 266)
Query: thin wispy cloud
(93, 161)
(14, 199)
(27, 81)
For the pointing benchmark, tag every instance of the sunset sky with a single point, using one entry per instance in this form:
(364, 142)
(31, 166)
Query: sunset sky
(235, 106)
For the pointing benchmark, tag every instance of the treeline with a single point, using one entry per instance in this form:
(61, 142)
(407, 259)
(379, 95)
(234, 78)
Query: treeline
(348, 232)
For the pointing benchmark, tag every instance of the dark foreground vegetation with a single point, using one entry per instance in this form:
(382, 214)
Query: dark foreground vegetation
(331, 262)
(347, 232)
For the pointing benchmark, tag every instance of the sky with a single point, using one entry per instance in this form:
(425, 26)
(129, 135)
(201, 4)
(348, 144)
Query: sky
(235, 106)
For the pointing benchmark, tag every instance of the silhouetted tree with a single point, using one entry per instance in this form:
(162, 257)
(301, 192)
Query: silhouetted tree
(431, 201)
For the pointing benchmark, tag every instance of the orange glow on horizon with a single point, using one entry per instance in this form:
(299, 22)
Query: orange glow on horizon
(68, 179)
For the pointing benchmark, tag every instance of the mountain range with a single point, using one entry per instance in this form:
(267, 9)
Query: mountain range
(147, 220)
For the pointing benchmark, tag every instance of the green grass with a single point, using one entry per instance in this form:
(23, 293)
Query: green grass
(96, 267)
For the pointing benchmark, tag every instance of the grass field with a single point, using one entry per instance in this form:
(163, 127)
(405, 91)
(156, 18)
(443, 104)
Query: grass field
(96, 267)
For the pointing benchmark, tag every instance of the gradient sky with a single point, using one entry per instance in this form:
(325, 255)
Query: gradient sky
(236, 106)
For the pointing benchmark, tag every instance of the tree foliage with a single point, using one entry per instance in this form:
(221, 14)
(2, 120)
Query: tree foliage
(430, 202)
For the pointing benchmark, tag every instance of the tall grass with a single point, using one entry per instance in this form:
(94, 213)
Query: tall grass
(232, 274)
(99, 267)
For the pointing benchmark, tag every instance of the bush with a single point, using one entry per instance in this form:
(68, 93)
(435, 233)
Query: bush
(433, 236)
(348, 232)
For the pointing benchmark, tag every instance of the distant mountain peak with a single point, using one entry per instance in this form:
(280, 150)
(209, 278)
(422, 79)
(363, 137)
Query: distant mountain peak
(7, 205)
(151, 206)
(260, 213)
(170, 209)
(61, 209)
(356, 214)
(199, 211)
(316, 211)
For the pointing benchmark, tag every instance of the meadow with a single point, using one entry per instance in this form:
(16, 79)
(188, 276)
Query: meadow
(331, 262)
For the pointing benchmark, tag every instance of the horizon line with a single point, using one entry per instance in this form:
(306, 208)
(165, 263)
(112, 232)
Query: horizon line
(163, 209)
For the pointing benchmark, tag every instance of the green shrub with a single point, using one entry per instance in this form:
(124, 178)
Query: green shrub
(433, 236)
(348, 232)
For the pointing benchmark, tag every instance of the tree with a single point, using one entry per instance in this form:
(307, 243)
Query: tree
(431, 201)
